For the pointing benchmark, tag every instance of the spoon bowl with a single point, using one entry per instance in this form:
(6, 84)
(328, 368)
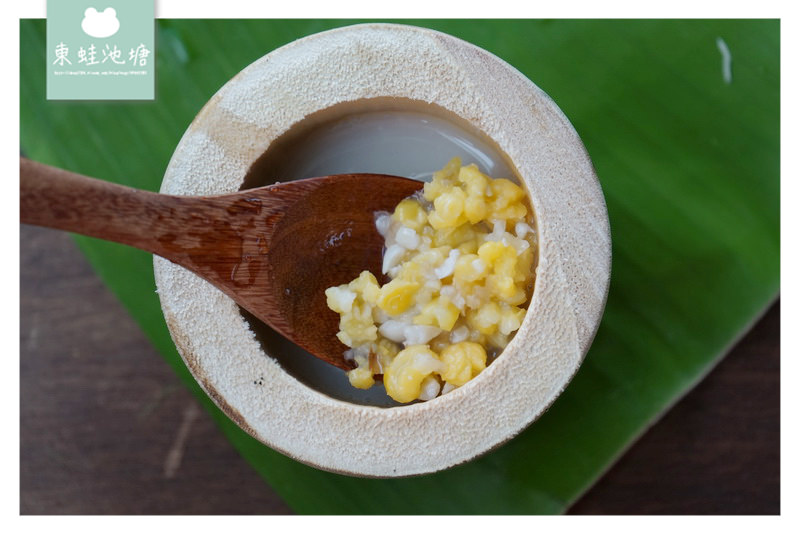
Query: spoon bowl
(274, 250)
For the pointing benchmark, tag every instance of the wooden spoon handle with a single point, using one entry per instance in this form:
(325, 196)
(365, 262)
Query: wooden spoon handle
(192, 231)
(60, 199)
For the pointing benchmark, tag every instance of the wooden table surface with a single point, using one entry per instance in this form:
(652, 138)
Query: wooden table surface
(121, 435)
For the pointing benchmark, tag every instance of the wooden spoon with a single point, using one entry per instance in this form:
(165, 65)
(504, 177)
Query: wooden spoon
(273, 249)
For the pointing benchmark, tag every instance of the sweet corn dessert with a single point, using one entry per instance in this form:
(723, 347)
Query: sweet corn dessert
(460, 260)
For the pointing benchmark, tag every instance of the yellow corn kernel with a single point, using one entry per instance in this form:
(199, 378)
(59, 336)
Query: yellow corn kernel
(474, 180)
(503, 260)
(344, 337)
(462, 362)
(340, 299)
(519, 296)
(385, 352)
(361, 378)
(505, 192)
(450, 170)
(397, 296)
(492, 251)
(502, 286)
(485, 318)
(412, 271)
(431, 258)
(511, 319)
(357, 326)
(454, 237)
(439, 312)
(469, 268)
(442, 180)
(476, 209)
(366, 286)
(432, 189)
(410, 213)
(448, 209)
(506, 265)
(511, 212)
(403, 378)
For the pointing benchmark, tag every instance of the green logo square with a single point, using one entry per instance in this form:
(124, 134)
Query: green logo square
(100, 50)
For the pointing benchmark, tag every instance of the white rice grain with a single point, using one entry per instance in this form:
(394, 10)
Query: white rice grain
(407, 238)
(383, 221)
(429, 389)
(460, 334)
(415, 334)
(448, 265)
(392, 257)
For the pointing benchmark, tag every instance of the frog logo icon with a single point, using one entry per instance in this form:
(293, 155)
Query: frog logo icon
(100, 24)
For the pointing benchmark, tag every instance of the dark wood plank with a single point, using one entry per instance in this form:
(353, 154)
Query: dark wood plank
(717, 451)
(101, 413)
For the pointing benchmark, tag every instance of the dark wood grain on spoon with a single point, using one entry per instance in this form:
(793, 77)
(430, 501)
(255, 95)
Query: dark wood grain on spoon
(273, 249)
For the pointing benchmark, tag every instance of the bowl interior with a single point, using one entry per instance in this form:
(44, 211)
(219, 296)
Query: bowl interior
(386, 136)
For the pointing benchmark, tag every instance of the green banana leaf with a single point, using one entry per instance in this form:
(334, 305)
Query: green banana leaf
(689, 163)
